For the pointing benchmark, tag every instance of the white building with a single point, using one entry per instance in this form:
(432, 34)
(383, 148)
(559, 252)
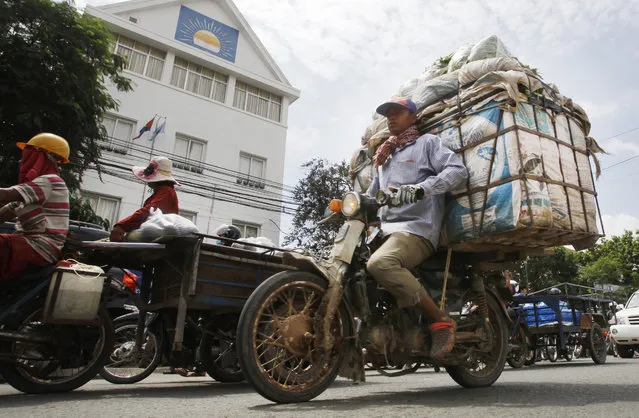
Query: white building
(199, 67)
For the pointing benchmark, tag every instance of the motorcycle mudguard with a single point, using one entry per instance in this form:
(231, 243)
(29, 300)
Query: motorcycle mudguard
(326, 271)
(495, 295)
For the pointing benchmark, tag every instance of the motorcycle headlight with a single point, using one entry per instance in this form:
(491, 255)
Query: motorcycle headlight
(350, 204)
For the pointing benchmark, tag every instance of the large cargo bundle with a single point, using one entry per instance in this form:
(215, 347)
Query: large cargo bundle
(525, 145)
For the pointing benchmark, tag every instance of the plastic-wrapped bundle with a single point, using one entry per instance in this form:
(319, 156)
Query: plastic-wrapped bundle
(490, 47)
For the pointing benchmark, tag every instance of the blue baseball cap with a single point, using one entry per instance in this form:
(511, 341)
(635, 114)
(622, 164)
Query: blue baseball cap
(397, 102)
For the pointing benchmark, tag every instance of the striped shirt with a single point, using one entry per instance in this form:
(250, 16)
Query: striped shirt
(43, 218)
(436, 169)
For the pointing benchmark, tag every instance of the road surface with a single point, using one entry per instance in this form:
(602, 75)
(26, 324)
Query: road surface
(579, 388)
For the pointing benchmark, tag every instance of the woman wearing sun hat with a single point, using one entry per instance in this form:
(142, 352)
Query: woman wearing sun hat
(158, 175)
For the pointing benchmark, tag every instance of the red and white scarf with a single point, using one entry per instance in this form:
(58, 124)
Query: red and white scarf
(387, 149)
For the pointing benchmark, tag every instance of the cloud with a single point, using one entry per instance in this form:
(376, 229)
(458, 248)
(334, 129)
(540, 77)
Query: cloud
(619, 147)
(598, 110)
(617, 224)
(373, 36)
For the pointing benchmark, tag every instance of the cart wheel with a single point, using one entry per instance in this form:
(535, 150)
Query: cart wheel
(597, 344)
(518, 357)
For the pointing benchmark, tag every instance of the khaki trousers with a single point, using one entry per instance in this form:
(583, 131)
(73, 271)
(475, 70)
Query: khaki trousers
(390, 265)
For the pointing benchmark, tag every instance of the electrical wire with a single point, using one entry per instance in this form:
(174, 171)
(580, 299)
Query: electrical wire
(212, 167)
(215, 191)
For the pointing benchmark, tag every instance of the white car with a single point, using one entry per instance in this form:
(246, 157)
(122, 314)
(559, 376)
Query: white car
(626, 331)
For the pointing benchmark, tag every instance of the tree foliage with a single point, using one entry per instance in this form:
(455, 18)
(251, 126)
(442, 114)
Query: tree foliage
(323, 181)
(622, 251)
(81, 210)
(613, 261)
(540, 272)
(54, 63)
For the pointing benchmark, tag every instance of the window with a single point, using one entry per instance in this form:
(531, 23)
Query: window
(257, 101)
(141, 58)
(191, 216)
(119, 133)
(104, 206)
(248, 230)
(252, 170)
(190, 153)
(199, 80)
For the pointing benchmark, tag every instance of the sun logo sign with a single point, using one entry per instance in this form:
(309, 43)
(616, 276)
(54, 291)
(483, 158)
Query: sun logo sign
(208, 34)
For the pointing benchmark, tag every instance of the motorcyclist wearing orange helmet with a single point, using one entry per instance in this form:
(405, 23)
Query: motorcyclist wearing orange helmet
(40, 201)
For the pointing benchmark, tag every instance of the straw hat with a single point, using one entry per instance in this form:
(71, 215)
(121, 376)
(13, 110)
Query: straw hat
(159, 169)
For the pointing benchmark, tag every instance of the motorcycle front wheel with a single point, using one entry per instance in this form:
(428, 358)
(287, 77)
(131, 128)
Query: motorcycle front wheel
(125, 364)
(276, 344)
(75, 355)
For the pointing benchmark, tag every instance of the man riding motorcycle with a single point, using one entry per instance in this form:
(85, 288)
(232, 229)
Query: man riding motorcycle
(411, 164)
(40, 201)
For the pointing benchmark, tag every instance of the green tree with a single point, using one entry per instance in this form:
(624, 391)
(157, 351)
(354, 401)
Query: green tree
(540, 272)
(622, 251)
(606, 269)
(54, 63)
(323, 181)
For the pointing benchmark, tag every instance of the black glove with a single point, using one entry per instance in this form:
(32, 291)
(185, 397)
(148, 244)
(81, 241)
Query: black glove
(406, 194)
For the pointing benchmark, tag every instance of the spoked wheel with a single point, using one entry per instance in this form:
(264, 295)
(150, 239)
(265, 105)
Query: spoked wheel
(597, 344)
(73, 358)
(518, 356)
(221, 361)
(276, 338)
(126, 364)
(484, 366)
(551, 349)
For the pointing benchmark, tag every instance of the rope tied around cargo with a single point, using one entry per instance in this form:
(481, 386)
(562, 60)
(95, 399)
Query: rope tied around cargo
(76, 266)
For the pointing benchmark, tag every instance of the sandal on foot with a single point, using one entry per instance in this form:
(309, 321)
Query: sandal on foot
(196, 374)
(182, 372)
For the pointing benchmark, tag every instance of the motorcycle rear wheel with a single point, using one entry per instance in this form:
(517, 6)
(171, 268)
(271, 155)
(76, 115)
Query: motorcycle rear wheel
(44, 371)
(483, 369)
(288, 369)
(125, 367)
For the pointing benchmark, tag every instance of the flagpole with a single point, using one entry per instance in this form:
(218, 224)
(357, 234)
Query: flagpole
(150, 156)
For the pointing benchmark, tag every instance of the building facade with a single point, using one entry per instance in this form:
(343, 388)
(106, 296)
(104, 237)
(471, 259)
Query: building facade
(215, 103)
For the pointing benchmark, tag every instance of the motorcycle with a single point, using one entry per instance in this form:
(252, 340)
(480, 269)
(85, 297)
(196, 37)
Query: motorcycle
(206, 342)
(300, 328)
(42, 354)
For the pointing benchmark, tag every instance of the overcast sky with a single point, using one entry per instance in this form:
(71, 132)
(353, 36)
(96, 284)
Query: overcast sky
(346, 57)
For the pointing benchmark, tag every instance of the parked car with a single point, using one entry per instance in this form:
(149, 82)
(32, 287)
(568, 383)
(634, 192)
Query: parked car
(626, 331)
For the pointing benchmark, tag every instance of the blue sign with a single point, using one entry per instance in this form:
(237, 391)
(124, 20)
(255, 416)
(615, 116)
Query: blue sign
(207, 34)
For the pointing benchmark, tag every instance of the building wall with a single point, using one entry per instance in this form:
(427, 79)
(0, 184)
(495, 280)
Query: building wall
(226, 131)
(162, 21)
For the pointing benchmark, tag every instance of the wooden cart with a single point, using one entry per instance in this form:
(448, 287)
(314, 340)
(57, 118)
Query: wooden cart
(185, 274)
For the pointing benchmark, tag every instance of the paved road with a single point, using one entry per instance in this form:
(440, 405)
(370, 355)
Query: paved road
(578, 388)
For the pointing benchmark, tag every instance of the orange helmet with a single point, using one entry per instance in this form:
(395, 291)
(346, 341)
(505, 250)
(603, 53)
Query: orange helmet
(51, 143)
